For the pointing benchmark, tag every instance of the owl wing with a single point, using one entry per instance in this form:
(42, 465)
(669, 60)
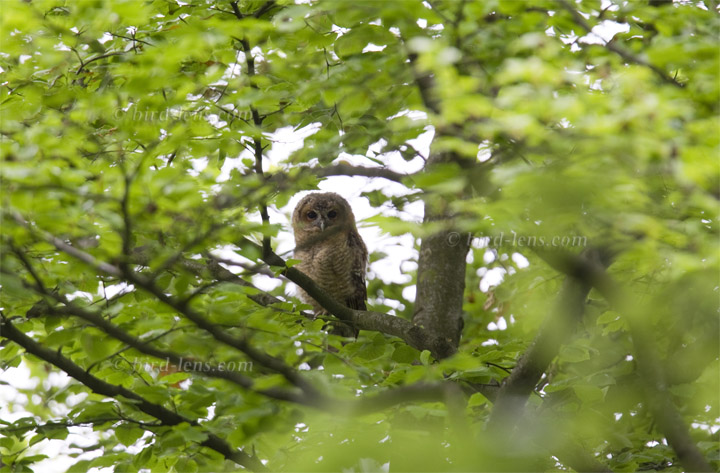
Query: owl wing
(357, 272)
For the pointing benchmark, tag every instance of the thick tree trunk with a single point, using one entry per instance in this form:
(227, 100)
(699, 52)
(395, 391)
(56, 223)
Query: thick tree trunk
(441, 272)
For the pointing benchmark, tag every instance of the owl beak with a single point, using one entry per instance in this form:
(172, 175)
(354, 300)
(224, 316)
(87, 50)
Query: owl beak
(320, 222)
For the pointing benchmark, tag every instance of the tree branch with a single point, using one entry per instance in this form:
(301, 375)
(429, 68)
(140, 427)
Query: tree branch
(212, 266)
(257, 138)
(567, 450)
(51, 425)
(611, 46)
(221, 335)
(201, 367)
(283, 179)
(666, 415)
(420, 392)
(166, 416)
(557, 328)
(97, 58)
(269, 4)
(182, 308)
(348, 170)
(441, 277)
(413, 335)
(441, 266)
(426, 85)
(70, 250)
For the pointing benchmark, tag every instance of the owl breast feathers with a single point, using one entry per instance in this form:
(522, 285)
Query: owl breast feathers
(330, 249)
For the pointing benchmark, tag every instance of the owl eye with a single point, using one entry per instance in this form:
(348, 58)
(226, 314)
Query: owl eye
(332, 214)
(312, 215)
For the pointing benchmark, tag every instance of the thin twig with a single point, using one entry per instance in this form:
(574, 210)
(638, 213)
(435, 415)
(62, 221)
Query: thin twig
(99, 386)
(612, 46)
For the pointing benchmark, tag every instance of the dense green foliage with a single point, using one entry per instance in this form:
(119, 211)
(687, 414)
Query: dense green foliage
(119, 124)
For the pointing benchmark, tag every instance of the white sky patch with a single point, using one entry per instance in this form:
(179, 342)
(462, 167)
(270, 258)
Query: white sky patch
(377, 147)
(56, 379)
(492, 278)
(597, 85)
(198, 165)
(520, 261)
(412, 114)
(608, 5)
(105, 38)
(422, 142)
(80, 295)
(61, 47)
(114, 289)
(409, 293)
(480, 241)
(58, 451)
(20, 377)
(484, 152)
(499, 324)
(604, 32)
(266, 283)
(707, 427)
(211, 412)
(339, 30)
(285, 141)
(402, 256)
(232, 163)
(469, 258)
(370, 48)
(232, 70)
(489, 256)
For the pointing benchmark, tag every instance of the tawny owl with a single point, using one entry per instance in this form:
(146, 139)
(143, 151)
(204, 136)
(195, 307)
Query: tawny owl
(330, 249)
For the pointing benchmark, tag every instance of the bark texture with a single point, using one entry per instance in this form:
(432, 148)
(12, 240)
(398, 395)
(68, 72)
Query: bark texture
(440, 286)
(441, 270)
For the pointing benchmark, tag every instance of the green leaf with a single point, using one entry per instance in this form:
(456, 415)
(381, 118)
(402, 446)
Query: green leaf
(191, 434)
(404, 354)
(589, 394)
(128, 434)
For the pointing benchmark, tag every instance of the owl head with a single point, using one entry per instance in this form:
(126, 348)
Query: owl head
(319, 213)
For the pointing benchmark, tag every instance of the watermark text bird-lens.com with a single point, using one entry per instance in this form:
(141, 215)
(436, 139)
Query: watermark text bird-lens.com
(187, 365)
(517, 240)
(167, 115)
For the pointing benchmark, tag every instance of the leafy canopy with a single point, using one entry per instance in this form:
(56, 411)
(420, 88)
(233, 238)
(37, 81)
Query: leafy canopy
(135, 140)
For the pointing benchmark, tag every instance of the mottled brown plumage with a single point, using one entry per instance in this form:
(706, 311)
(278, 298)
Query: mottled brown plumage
(330, 249)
